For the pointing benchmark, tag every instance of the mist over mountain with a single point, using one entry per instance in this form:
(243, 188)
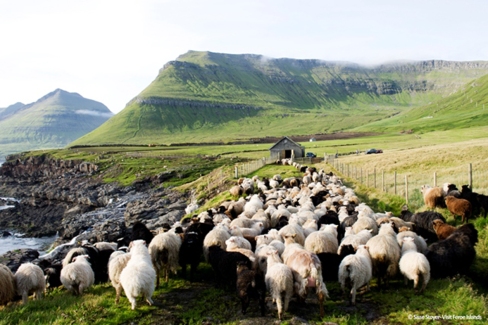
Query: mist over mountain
(53, 121)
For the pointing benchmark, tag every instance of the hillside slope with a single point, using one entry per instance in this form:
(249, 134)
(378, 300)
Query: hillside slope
(205, 96)
(53, 121)
(468, 107)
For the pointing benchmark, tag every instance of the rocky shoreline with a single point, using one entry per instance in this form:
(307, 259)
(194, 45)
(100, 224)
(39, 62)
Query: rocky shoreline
(66, 198)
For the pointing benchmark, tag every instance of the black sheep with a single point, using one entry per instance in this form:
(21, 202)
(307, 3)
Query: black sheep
(455, 254)
(53, 276)
(140, 231)
(191, 249)
(330, 265)
(424, 224)
(482, 203)
(468, 194)
(224, 265)
(250, 285)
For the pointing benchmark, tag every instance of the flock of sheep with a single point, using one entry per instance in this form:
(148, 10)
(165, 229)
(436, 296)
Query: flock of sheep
(278, 237)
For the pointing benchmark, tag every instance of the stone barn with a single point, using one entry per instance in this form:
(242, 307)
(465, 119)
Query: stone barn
(286, 148)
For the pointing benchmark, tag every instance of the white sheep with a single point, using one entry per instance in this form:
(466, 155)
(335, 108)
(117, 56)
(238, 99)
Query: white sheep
(232, 245)
(30, 278)
(413, 264)
(164, 249)
(279, 281)
(7, 285)
(139, 276)
(255, 230)
(355, 240)
(240, 242)
(418, 240)
(217, 236)
(77, 275)
(293, 232)
(115, 266)
(385, 253)
(356, 270)
(365, 223)
(323, 241)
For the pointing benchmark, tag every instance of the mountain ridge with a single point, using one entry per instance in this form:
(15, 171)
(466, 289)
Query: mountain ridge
(52, 121)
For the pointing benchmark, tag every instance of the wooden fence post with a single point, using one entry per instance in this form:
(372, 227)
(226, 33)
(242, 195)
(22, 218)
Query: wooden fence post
(395, 184)
(383, 180)
(374, 177)
(470, 176)
(236, 172)
(406, 189)
(435, 179)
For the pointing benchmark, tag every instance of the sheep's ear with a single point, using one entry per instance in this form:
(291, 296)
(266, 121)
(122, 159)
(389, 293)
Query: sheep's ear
(293, 236)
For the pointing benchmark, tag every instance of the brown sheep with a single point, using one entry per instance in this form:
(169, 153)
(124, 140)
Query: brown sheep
(443, 230)
(433, 196)
(236, 190)
(459, 207)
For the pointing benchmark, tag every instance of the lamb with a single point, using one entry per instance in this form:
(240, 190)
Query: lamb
(323, 241)
(414, 265)
(442, 230)
(460, 207)
(115, 267)
(307, 273)
(356, 270)
(250, 285)
(7, 285)
(29, 278)
(139, 276)
(455, 254)
(279, 282)
(385, 253)
(78, 275)
(164, 250)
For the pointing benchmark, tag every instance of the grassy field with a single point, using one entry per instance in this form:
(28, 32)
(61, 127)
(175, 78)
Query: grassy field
(181, 302)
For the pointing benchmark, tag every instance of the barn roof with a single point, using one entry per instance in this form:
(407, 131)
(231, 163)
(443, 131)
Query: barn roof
(293, 143)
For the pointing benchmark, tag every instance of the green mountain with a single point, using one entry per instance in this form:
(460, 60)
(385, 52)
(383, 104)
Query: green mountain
(53, 121)
(205, 96)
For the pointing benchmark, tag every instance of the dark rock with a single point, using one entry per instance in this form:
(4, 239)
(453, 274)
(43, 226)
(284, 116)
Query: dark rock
(13, 259)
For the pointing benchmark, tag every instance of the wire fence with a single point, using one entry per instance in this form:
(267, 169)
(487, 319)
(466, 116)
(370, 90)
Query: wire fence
(406, 185)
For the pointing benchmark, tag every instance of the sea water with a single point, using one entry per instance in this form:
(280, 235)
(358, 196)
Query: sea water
(19, 241)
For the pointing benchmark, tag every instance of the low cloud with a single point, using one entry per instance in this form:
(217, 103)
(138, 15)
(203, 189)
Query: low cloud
(93, 113)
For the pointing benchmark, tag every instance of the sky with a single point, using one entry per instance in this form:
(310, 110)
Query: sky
(110, 50)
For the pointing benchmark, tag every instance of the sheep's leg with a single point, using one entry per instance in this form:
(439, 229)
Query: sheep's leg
(405, 280)
(132, 302)
(166, 270)
(149, 301)
(157, 278)
(25, 297)
(415, 282)
(38, 294)
(279, 306)
(321, 297)
(118, 291)
(353, 296)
